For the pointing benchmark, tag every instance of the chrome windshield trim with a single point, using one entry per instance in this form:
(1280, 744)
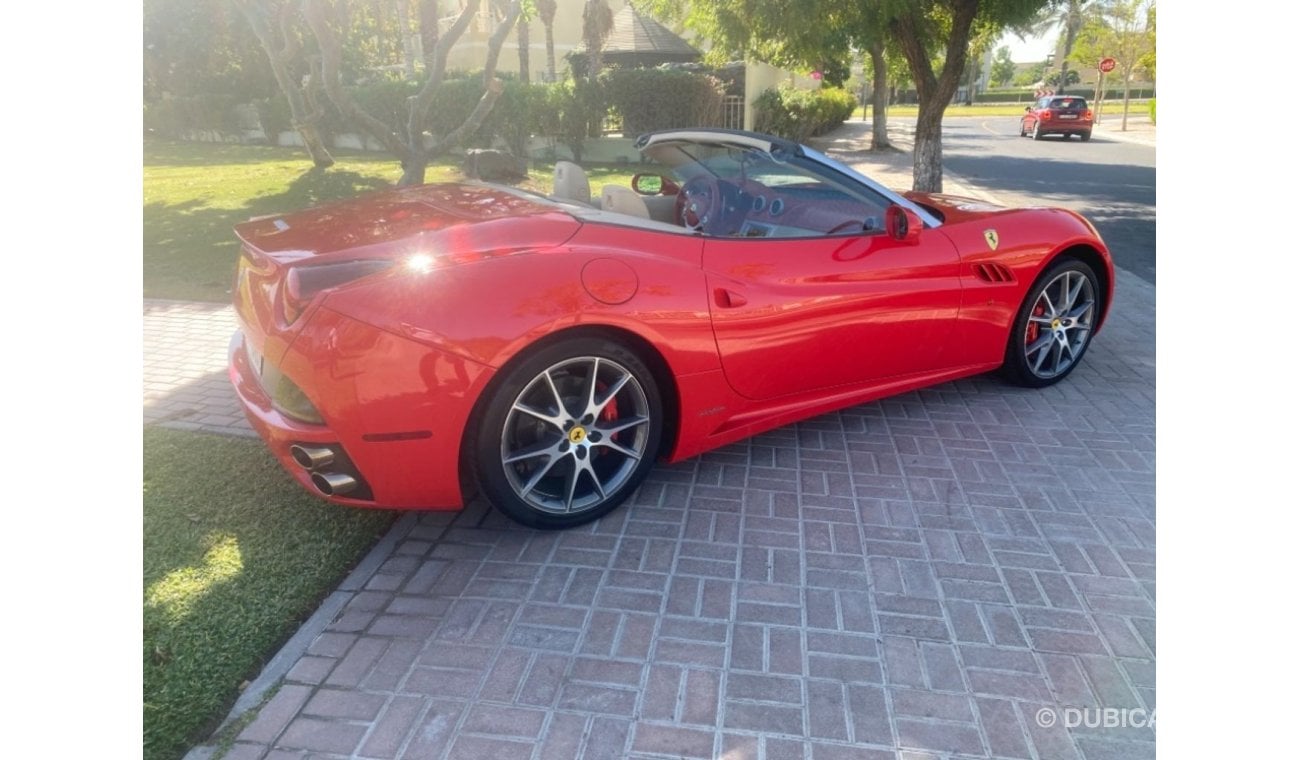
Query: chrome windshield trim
(930, 219)
(710, 136)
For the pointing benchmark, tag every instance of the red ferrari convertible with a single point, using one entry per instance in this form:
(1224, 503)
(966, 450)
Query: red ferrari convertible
(408, 347)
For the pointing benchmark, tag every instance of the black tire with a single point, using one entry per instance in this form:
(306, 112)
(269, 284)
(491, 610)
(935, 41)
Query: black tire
(1036, 134)
(1063, 338)
(568, 466)
(1022, 129)
(1085, 136)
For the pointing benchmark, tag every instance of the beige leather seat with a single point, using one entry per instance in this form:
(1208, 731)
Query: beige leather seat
(571, 183)
(623, 200)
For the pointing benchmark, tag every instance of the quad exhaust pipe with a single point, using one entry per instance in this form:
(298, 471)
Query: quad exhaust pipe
(333, 483)
(311, 457)
(314, 459)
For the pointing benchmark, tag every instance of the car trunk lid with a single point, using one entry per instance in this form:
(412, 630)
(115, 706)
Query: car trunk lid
(435, 226)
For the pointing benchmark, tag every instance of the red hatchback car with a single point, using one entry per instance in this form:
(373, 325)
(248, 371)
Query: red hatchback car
(1057, 115)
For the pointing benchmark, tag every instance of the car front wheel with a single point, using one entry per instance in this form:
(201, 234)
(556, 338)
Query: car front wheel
(569, 434)
(1054, 325)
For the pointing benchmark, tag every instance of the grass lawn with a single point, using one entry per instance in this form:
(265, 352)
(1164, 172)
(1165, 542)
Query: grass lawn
(236, 555)
(960, 110)
(195, 193)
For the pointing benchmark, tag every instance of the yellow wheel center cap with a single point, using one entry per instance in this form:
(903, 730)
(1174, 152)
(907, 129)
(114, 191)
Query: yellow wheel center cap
(577, 434)
(1056, 324)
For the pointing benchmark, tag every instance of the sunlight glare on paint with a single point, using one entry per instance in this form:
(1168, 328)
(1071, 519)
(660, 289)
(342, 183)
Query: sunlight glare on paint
(420, 262)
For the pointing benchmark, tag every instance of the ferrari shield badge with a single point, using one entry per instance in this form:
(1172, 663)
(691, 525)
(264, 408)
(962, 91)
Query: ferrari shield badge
(991, 237)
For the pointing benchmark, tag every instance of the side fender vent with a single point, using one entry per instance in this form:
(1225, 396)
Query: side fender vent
(994, 273)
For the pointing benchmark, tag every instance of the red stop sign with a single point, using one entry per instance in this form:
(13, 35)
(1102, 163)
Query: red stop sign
(1106, 65)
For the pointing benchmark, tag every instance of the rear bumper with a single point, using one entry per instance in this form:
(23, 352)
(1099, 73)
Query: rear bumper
(394, 408)
(1064, 126)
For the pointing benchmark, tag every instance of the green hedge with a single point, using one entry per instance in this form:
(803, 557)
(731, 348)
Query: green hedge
(1151, 109)
(521, 111)
(800, 114)
(651, 99)
(1085, 91)
(644, 99)
(174, 117)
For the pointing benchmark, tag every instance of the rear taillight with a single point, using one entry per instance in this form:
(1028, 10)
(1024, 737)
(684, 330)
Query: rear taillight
(1047, 114)
(1088, 114)
(302, 283)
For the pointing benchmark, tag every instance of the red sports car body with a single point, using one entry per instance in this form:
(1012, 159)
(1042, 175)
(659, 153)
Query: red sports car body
(400, 347)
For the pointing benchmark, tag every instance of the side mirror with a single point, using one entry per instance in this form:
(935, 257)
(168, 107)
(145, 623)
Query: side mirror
(903, 224)
(653, 184)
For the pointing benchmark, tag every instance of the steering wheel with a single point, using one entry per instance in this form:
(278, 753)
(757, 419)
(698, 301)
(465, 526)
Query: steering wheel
(698, 202)
(849, 224)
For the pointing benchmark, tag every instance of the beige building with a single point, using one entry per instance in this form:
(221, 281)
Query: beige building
(471, 52)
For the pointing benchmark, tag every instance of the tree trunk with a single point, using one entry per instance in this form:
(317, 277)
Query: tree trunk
(973, 65)
(927, 153)
(1128, 73)
(550, 53)
(1065, 54)
(409, 145)
(933, 93)
(304, 121)
(413, 170)
(879, 96)
(315, 145)
(523, 51)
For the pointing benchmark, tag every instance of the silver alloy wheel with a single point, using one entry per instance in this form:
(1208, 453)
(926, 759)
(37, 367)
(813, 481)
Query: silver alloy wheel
(1060, 324)
(575, 434)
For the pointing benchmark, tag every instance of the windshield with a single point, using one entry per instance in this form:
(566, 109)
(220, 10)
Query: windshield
(739, 191)
(1069, 104)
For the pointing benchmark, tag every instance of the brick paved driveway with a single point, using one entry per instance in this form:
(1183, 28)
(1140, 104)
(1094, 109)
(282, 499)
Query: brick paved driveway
(913, 578)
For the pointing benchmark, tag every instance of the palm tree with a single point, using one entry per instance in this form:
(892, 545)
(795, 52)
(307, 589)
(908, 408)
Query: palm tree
(524, 42)
(597, 23)
(1068, 16)
(546, 10)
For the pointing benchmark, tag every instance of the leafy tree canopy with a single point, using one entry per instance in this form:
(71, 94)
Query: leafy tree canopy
(1003, 67)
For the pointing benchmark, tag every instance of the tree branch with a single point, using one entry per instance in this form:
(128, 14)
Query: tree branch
(492, 86)
(954, 60)
(315, 12)
(418, 106)
(292, 43)
(428, 31)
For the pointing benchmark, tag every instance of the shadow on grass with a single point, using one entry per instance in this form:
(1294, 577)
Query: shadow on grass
(173, 153)
(229, 573)
(190, 247)
(198, 192)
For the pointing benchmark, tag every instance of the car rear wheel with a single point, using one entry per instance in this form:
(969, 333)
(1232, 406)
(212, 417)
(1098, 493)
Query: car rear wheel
(1085, 136)
(569, 434)
(1036, 133)
(1054, 325)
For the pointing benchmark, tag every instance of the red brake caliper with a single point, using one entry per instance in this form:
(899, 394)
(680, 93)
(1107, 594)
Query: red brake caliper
(1031, 334)
(608, 414)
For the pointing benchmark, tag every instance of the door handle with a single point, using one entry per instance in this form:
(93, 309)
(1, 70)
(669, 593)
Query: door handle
(728, 299)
